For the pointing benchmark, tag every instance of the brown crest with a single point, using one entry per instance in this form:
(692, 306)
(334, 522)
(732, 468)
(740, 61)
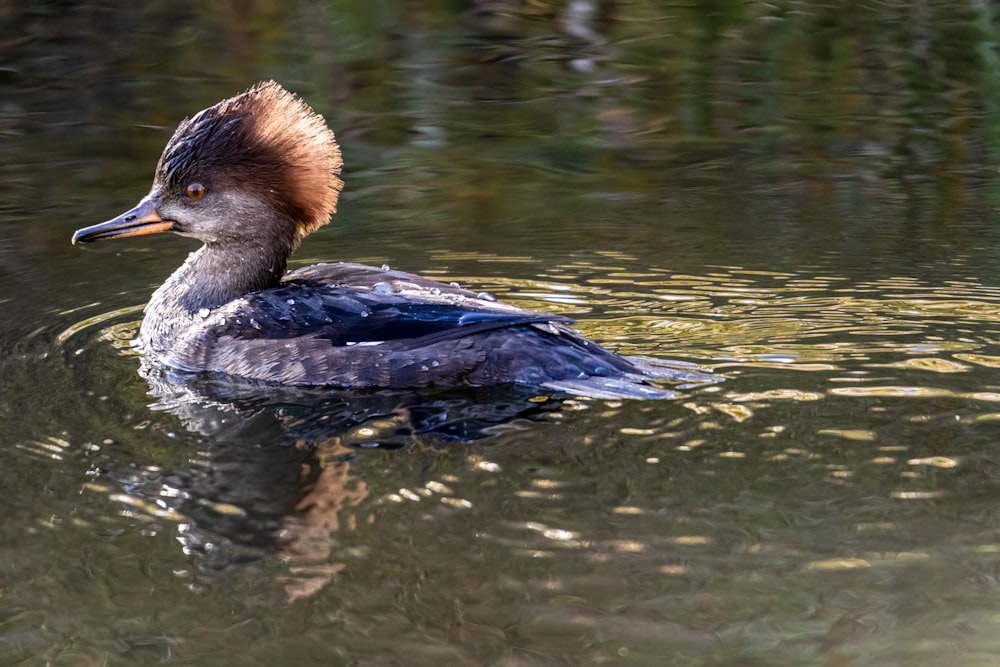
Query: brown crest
(266, 141)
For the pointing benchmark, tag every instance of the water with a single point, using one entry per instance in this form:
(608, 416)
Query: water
(831, 500)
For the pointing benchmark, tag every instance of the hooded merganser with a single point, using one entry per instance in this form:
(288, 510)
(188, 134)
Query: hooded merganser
(249, 178)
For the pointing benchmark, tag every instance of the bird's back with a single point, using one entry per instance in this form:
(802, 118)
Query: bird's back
(359, 326)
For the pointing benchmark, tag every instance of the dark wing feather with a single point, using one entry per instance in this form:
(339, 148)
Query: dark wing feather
(344, 317)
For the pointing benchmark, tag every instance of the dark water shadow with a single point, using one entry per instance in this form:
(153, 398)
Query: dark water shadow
(272, 469)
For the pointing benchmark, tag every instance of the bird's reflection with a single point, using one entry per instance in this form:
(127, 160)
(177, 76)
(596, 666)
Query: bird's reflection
(272, 471)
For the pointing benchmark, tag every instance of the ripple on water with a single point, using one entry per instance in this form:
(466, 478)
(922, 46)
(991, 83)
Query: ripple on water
(737, 320)
(111, 327)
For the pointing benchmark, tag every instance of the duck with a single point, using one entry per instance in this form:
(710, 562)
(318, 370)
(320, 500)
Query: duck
(249, 178)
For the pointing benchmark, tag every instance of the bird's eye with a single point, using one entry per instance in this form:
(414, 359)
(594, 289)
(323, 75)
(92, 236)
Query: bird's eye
(195, 191)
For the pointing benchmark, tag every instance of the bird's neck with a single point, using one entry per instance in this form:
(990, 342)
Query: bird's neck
(212, 276)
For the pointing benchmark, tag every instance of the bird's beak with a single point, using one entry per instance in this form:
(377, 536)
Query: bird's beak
(143, 219)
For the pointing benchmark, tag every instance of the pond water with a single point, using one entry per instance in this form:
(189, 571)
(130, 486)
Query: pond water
(831, 498)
